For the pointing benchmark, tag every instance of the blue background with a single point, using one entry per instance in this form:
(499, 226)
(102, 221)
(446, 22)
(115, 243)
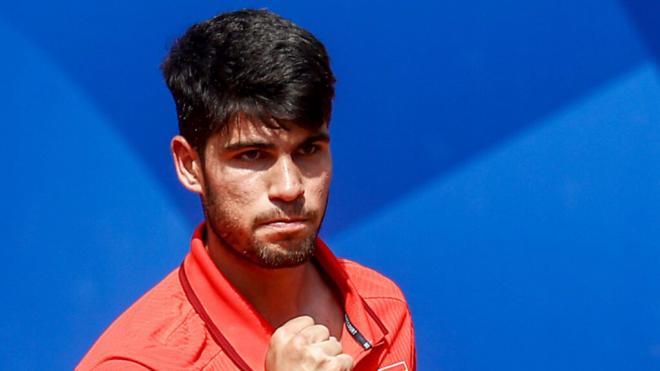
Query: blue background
(499, 159)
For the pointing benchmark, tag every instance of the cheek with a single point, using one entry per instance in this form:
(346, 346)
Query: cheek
(236, 195)
(319, 188)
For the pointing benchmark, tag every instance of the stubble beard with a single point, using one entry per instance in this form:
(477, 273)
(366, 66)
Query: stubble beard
(283, 254)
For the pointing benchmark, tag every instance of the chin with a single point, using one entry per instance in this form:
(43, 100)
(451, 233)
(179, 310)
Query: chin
(283, 254)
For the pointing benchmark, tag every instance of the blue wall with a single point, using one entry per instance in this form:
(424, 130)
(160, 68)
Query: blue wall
(505, 155)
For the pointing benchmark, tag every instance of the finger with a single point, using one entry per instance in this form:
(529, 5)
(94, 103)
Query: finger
(290, 329)
(315, 333)
(344, 361)
(330, 347)
(297, 324)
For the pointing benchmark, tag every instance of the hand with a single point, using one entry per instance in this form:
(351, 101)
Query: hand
(300, 344)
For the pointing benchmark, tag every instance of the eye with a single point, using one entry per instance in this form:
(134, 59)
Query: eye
(308, 149)
(250, 155)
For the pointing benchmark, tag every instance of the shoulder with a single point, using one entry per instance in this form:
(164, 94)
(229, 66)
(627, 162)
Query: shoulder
(372, 284)
(161, 329)
(381, 294)
(388, 303)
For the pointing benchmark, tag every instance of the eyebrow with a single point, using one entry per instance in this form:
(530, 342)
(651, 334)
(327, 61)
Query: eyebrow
(319, 137)
(248, 144)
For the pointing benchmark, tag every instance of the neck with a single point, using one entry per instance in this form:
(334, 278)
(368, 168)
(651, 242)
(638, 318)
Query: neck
(278, 294)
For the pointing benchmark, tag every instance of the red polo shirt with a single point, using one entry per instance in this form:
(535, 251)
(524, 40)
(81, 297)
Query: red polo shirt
(196, 319)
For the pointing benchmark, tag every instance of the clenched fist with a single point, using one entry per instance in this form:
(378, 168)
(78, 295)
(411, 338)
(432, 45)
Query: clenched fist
(301, 344)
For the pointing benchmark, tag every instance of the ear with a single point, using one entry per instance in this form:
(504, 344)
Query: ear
(188, 165)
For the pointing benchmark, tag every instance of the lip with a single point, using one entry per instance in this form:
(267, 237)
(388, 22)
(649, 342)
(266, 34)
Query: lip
(285, 225)
(284, 220)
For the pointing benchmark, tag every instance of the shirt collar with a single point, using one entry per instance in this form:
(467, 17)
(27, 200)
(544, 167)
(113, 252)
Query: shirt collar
(241, 331)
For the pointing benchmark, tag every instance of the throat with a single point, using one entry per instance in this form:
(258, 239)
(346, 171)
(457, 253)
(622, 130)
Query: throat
(282, 294)
(313, 295)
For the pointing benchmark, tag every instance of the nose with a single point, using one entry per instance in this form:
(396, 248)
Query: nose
(286, 183)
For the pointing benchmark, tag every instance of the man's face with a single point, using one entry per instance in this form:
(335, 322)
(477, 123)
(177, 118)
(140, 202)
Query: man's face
(266, 190)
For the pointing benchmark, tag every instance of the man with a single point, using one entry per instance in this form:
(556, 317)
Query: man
(258, 289)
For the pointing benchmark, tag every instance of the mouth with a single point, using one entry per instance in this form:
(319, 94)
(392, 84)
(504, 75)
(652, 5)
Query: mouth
(285, 225)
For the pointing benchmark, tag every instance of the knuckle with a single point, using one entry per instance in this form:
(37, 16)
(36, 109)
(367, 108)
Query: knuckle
(278, 337)
(321, 331)
(307, 319)
(298, 343)
(328, 364)
(277, 333)
(334, 364)
(318, 356)
(345, 361)
(303, 321)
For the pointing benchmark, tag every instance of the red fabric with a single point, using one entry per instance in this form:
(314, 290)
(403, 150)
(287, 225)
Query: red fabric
(163, 330)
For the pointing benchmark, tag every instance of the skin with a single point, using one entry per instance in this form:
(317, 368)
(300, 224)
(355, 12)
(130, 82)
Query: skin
(302, 344)
(264, 192)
